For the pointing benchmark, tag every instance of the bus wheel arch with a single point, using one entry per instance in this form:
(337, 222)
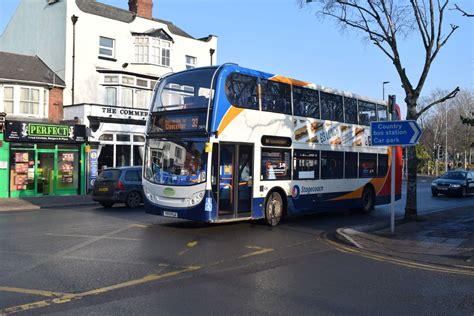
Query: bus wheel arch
(276, 206)
(367, 199)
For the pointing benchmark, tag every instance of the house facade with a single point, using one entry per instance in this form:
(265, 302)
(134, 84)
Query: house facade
(39, 153)
(110, 60)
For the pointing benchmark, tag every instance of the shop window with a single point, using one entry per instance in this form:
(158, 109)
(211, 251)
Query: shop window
(331, 107)
(8, 98)
(242, 91)
(350, 110)
(68, 170)
(138, 155)
(275, 164)
(306, 164)
(122, 155)
(106, 137)
(22, 171)
(138, 138)
(367, 113)
(29, 101)
(276, 96)
(106, 156)
(350, 165)
(331, 164)
(382, 166)
(367, 165)
(306, 102)
(123, 137)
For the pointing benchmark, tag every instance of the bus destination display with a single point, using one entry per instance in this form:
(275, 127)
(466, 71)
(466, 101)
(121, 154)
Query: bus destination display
(179, 122)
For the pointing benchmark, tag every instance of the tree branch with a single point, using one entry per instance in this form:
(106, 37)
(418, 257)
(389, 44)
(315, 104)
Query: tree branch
(450, 95)
(464, 13)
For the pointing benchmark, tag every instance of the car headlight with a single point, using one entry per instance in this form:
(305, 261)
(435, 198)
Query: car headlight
(455, 185)
(196, 198)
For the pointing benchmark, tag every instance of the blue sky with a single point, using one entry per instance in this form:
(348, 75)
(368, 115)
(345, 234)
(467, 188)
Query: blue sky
(278, 37)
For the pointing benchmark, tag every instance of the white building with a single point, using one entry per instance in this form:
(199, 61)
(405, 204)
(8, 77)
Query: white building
(110, 59)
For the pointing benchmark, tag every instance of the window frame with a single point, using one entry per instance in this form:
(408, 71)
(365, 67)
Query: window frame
(231, 82)
(106, 48)
(264, 84)
(305, 90)
(299, 154)
(329, 153)
(331, 97)
(289, 168)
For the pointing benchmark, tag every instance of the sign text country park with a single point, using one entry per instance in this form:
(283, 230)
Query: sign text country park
(395, 133)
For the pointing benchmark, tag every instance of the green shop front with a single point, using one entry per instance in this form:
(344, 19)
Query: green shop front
(44, 159)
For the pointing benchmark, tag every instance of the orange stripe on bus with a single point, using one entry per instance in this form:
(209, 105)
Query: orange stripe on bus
(228, 117)
(293, 82)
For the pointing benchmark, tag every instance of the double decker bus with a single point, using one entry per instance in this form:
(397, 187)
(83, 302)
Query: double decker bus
(254, 145)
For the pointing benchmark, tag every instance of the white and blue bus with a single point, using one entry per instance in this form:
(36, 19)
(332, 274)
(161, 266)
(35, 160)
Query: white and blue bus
(228, 143)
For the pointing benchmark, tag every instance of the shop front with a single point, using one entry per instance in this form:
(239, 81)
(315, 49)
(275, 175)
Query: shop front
(45, 159)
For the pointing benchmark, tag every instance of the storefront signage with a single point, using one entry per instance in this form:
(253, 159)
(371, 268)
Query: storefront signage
(39, 132)
(93, 166)
(117, 112)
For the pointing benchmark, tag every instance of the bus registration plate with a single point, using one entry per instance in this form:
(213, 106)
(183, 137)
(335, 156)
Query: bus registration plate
(170, 214)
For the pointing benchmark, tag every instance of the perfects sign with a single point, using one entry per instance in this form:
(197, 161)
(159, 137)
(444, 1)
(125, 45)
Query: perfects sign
(46, 133)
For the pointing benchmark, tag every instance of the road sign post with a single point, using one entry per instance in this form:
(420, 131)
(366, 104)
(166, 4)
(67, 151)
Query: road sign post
(394, 133)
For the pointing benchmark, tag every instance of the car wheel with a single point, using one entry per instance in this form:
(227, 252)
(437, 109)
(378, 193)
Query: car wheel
(134, 199)
(368, 200)
(434, 192)
(107, 204)
(274, 209)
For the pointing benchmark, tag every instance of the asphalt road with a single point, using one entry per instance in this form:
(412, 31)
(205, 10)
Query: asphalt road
(119, 261)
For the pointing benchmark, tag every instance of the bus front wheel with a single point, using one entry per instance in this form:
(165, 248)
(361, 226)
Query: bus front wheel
(274, 209)
(368, 200)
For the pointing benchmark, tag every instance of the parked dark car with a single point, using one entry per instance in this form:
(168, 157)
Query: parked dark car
(455, 182)
(119, 185)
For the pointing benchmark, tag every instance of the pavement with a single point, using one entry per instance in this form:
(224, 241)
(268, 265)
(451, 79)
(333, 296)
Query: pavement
(444, 238)
(42, 202)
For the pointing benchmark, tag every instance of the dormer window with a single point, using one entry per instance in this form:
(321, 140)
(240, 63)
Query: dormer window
(153, 47)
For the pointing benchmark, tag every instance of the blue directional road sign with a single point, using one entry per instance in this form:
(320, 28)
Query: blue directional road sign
(395, 133)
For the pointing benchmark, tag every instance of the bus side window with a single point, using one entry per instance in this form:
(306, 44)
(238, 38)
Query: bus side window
(350, 110)
(367, 113)
(382, 112)
(367, 165)
(332, 164)
(306, 102)
(382, 165)
(331, 107)
(350, 161)
(242, 91)
(276, 96)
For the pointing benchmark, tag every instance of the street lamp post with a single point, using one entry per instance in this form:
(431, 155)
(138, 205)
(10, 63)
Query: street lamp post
(383, 89)
(74, 19)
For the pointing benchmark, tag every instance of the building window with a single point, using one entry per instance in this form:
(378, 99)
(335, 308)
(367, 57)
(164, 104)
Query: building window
(111, 79)
(127, 97)
(152, 50)
(8, 97)
(29, 101)
(111, 96)
(106, 47)
(128, 80)
(142, 83)
(190, 62)
(45, 102)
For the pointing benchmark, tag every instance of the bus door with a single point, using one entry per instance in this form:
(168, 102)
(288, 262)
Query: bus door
(235, 183)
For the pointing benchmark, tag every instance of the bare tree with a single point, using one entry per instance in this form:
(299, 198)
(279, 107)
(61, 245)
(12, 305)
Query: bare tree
(384, 23)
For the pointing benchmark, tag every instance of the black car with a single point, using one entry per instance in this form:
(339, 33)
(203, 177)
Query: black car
(119, 185)
(455, 182)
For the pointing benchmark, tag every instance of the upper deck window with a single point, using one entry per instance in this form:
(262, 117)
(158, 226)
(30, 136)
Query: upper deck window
(350, 110)
(367, 113)
(242, 91)
(276, 96)
(382, 112)
(306, 102)
(331, 107)
(185, 90)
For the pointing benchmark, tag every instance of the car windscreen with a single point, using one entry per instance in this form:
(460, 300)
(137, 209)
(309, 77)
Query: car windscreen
(454, 175)
(113, 175)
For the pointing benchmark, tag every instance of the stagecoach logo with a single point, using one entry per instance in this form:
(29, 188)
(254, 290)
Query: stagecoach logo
(169, 192)
(295, 192)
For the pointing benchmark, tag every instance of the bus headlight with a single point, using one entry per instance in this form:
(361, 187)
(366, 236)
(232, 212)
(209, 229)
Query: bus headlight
(148, 195)
(197, 198)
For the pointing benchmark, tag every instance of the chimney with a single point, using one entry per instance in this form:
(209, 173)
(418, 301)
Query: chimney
(141, 8)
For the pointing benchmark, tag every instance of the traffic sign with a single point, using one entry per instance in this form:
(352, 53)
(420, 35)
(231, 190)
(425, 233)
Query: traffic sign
(395, 133)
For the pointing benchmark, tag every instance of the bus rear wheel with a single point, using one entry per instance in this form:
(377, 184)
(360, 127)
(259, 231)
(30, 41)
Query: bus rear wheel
(368, 200)
(274, 209)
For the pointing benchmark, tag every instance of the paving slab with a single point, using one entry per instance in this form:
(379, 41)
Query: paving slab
(41, 202)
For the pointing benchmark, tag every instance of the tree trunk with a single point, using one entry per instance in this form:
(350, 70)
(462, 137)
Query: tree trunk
(411, 212)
